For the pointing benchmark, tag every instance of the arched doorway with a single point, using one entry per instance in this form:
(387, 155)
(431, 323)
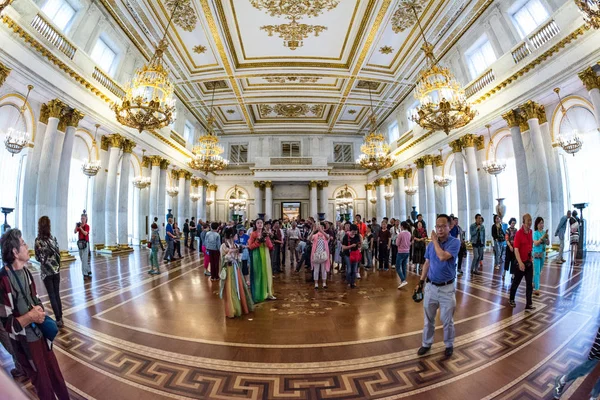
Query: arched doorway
(344, 203)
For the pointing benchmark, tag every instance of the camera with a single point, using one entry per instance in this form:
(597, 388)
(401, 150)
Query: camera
(79, 224)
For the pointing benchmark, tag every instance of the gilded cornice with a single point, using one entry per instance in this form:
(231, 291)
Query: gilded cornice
(428, 160)
(379, 182)
(369, 186)
(4, 72)
(73, 116)
(155, 161)
(313, 184)
(213, 188)
(104, 143)
(456, 145)
(468, 140)
(588, 77)
(420, 162)
(164, 163)
(480, 142)
(438, 161)
(127, 145)
(114, 140)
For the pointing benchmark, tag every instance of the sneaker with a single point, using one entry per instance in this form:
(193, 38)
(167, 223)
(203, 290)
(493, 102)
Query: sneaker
(530, 308)
(316, 287)
(496, 268)
(206, 273)
(423, 350)
(512, 303)
(459, 273)
(271, 297)
(559, 387)
(324, 286)
(60, 323)
(403, 284)
(449, 351)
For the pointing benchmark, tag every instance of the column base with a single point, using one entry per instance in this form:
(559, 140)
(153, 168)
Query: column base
(99, 246)
(143, 242)
(65, 256)
(125, 248)
(111, 250)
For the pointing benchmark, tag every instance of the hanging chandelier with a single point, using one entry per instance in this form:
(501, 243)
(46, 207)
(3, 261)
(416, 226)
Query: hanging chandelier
(149, 102)
(442, 180)
(388, 195)
(591, 11)
(411, 190)
(570, 143)
(172, 191)
(16, 139)
(443, 104)
(237, 198)
(91, 168)
(375, 150)
(344, 198)
(195, 197)
(140, 181)
(495, 166)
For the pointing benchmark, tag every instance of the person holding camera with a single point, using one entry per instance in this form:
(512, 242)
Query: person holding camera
(523, 246)
(261, 275)
(83, 244)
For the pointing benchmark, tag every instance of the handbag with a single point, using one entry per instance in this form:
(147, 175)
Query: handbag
(48, 328)
(81, 244)
(355, 256)
(320, 255)
(149, 244)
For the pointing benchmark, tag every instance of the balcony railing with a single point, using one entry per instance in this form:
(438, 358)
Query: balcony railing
(291, 160)
(544, 34)
(108, 83)
(484, 79)
(519, 53)
(46, 29)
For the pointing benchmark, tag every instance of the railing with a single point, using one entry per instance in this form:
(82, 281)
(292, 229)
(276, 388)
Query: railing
(484, 79)
(108, 83)
(291, 161)
(46, 29)
(544, 34)
(520, 52)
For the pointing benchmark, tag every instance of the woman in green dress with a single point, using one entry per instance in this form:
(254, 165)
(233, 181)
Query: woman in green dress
(234, 292)
(261, 275)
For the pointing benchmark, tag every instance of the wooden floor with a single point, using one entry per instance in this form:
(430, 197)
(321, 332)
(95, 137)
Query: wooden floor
(129, 335)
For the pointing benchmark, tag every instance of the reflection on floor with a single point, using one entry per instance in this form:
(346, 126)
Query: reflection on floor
(129, 335)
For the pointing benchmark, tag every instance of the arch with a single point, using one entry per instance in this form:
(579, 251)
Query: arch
(240, 188)
(16, 100)
(497, 137)
(339, 189)
(87, 136)
(558, 114)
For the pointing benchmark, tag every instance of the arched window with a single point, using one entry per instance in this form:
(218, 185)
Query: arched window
(79, 190)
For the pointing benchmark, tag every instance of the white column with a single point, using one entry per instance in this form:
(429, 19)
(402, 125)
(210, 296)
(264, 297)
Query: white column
(181, 201)
(323, 198)
(556, 183)
(52, 175)
(397, 198)
(485, 184)
(430, 187)
(269, 199)
(401, 195)
(114, 143)
(143, 206)
(258, 198)
(189, 211)
(153, 196)
(440, 193)
(380, 190)
(162, 193)
(474, 201)
(62, 195)
(595, 97)
(422, 189)
(55, 109)
(369, 208)
(124, 184)
(213, 207)
(461, 184)
(313, 198)
(592, 84)
(99, 193)
(137, 212)
(203, 197)
(513, 120)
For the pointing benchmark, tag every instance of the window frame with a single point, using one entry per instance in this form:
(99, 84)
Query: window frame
(393, 126)
(69, 23)
(110, 45)
(351, 153)
(476, 48)
(237, 158)
(189, 138)
(409, 112)
(522, 6)
(291, 143)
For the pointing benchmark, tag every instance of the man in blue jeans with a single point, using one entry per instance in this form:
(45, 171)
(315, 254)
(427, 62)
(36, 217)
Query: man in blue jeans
(477, 231)
(169, 236)
(581, 370)
(351, 242)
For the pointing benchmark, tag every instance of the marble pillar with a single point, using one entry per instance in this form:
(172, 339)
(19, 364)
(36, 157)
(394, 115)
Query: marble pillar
(486, 194)
(461, 184)
(397, 198)
(390, 210)
(62, 231)
(181, 214)
(162, 193)
(440, 199)
(43, 203)
(114, 143)
(431, 215)
(258, 197)
(269, 199)
(369, 208)
(323, 197)
(402, 211)
(189, 211)
(143, 217)
(153, 196)
(591, 82)
(313, 199)
(514, 121)
(124, 184)
(213, 206)
(202, 200)
(468, 142)
(97, 222)
(556, 183)
(54, 170)
(422, 188)
(380, 192)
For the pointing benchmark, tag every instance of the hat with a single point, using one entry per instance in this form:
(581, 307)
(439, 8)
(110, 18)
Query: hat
(241, 228)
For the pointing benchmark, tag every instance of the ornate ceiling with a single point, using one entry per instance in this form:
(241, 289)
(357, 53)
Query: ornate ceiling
(283, 67)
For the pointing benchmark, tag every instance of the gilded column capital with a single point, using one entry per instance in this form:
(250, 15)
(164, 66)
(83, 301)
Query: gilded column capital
(204, 183)
(388, 181)
(379, 182)
(55, 108)
(44, 114)
(456, 146)
(588, 77)
(420, 163)
(127, 145)
(523, 125)
(512, 118)
(395, 174)
(468, 140)
(146, 162)
(114, 140)
(196, 181)
(313, 184)
(269, 184)
(369, 186)
(164, 163)
(428, 160)
(155, 161)
(324, 184)
(438, 161)
(181, 173)
(258, 184)
(188, 175)
(213, 188)
(480, 142)
(407, 173)
(541, 114)
(73, 116)
(4, 72)
(104, 143)
(530, 109)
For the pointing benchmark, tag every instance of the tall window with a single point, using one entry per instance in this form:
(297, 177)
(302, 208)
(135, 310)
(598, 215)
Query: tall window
(480, 56)
(393, 132)
(409, 114)
(188, 132)
(343, 153)
(290, 149)
(238, 153)
(104, 55)
(529, 17)
(61, 12)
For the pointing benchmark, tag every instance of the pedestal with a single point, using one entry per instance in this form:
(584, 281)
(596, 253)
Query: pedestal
(581, 249)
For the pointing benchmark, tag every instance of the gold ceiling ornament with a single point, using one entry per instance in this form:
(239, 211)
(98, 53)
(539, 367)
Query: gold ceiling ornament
(351, 112)
(199, 49)
(295, 9)
(207, 153)
(291, 110)
(294, 33)
(17, 139)
(443, 104)
(375, 150)
(230, 111)
(92, 167)
(148, 103)
(591, 12)
(298, 79)
(404, 17)
(182, 13)
(571, 142)
(386, 50)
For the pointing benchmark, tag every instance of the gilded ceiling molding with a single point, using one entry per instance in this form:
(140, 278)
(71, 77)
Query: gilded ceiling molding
(291, 110)
(386, 49)
(199, 49)
(183, 14)
(4, 72)
(404, 17)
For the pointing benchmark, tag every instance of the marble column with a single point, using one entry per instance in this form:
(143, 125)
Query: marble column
(380, 192)
(540, 187)
(591, 82)
(213, 205)
(172, 202)
(181, 200)
(110, 202)
(54, 170)
(258, 197)
(397, 198)
(269, 199)
(430, 188)
(514, 121)
(202, 200)
(43, 203)
(313, 198)
(153, 196)
(189, 211)
(461, 184)
(485, 183)
(468, 143)
(408, 175)
(402, 210)
(162, 193)
(440, 191)
(124, 183)
(422, 188)
(390, 210)
(369, 189)
(98, 207)
(144, 221)
(556, 183)
(195, 206)
(323, 198)
(72, 118)
(32, 168)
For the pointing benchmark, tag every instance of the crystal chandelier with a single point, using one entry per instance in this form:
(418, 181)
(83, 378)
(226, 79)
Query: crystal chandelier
(388, 195)
(591, 11)
(443, 105)
(373, 200)
(195, 197)
(207, 153)
(16, 140)
(375, 150)
(344, 198)
(411, 190)
(493, 167)
(148, 102)
(442, 180)
(237, 198)
(570, 143)
(209, 201)
(91, 168)
(142, 182)
(172, 191)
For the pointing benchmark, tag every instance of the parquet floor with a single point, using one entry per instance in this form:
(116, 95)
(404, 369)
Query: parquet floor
(129, 335)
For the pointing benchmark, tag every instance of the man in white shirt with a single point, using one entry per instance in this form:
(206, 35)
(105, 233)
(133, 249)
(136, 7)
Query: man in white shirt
(293, 236)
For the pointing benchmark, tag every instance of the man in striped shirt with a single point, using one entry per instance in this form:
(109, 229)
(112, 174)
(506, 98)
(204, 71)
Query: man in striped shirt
(582, 369)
